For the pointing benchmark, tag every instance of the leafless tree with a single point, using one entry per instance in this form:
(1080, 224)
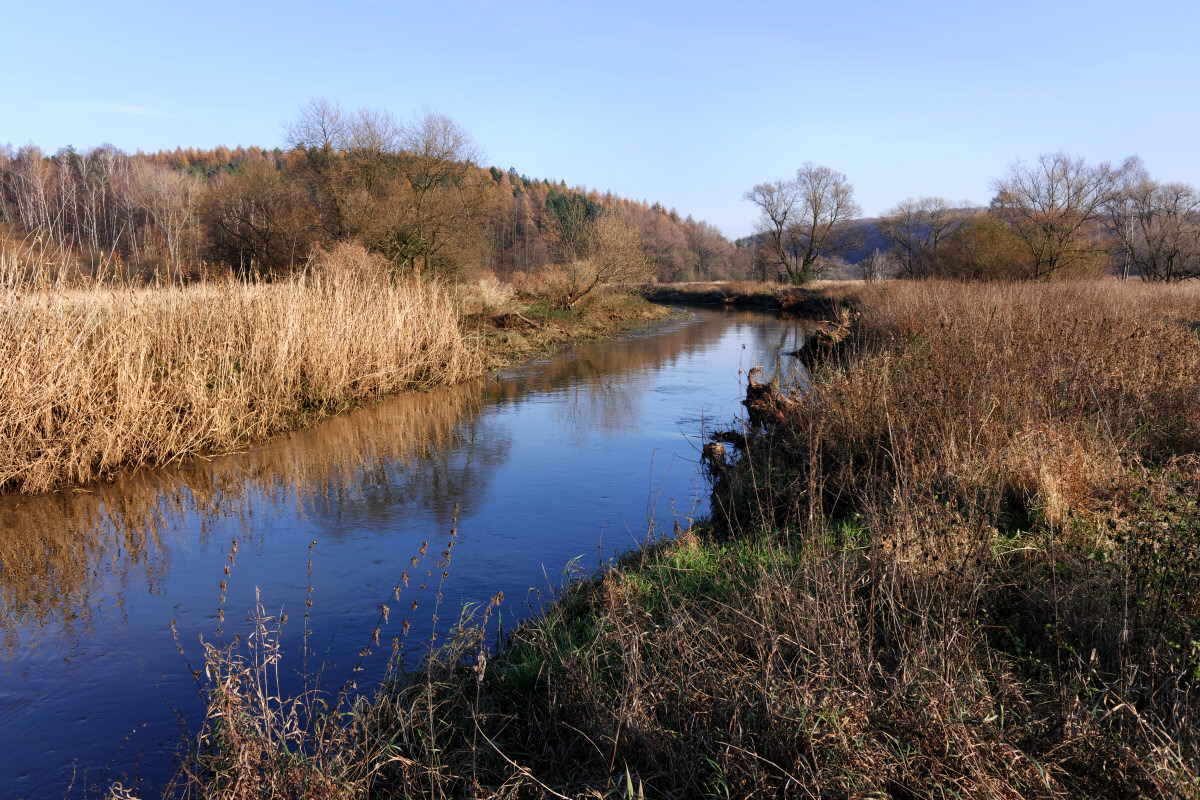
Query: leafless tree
(665, 244)
(800, 220)
(876, 266)
(322, 124)
(916, 228)
(255, 222)
(710, 250)
(613, 254)
(411, 191)
(443, 204)
(168, 197)
(32, 187)
(1157, 225)
(1053, 206)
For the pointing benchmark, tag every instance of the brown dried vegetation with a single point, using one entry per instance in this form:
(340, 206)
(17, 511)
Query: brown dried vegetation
(966, 562)
(108, 375)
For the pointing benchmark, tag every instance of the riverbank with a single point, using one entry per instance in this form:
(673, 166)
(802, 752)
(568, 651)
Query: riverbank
(106, 378)
(966, 562)
(529, 325)
(810, 300)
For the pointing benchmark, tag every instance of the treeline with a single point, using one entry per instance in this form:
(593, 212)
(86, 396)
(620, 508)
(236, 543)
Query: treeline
(1055, 218)
(413, 192)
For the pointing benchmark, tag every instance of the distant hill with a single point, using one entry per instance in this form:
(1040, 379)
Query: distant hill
(867, 238)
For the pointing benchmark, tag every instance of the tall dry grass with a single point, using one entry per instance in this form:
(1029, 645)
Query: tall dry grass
(106, 376)
(1018, 470)
(965, 563)
(1026, 398)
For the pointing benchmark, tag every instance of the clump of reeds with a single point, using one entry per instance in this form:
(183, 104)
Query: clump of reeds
(1020, 461)
(487, 295)
(105, 376)
(258, 740)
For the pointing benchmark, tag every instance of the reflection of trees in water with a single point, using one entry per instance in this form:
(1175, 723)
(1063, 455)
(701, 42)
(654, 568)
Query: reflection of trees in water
(454, 471)
(774, 338)
(63, 556)
(61, 553)
(603, 406)
(601, 385)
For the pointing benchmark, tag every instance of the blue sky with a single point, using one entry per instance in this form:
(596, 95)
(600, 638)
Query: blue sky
(685, 103)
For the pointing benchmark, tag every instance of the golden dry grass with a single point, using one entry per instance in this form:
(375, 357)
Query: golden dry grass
(107, 376)
(966, 563)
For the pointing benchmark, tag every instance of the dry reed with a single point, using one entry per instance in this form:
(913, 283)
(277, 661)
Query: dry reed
(965, 563)
(107, 376)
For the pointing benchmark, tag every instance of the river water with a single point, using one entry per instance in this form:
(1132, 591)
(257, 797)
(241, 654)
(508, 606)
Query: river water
(552, 466)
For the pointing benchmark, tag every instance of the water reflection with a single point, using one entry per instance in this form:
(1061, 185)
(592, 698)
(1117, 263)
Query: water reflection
(543, 461)
(64, 555)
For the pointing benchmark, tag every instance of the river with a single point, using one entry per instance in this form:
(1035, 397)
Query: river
(553, 466)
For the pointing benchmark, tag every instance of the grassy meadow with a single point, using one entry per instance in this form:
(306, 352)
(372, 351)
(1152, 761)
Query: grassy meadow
(965, 563)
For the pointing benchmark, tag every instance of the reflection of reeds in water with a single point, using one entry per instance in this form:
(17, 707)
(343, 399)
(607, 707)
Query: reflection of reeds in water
(59, 551)
(96, 379)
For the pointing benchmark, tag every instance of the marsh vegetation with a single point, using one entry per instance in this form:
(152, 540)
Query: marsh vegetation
(954, 555)
(963, 562)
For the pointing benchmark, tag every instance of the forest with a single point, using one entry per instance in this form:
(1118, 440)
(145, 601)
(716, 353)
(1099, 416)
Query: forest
(414, 192)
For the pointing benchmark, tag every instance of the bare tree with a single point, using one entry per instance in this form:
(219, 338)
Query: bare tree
(32, 189)
(1052, 206)
(255, 222)
(322, 132)
(1119, 209)
(613, 254)
(801, 219)
(411, 191)
(916, 228)
(876, 266)
(709, 248)
(444, 204)
(322, 124)
(168, 197)
(1158, 226)
(665, 244)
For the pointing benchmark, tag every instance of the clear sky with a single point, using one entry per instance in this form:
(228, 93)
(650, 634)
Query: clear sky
(685, 103)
